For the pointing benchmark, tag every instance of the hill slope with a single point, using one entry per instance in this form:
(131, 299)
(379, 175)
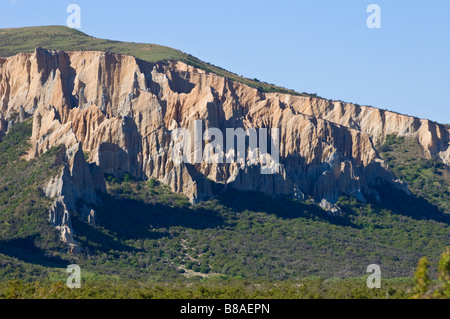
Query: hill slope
(144, 231)
(26, 40)
(99, 126)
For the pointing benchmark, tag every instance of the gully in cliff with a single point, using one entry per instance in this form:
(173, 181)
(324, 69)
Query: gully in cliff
(208, 147)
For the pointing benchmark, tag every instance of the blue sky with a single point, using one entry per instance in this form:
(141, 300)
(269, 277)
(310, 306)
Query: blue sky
(314, 46)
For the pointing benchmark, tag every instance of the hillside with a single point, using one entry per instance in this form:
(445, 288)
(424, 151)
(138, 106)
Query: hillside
(149, 237)
(88, 175)
(21, 40)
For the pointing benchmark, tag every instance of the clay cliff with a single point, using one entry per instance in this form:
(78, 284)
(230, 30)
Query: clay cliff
(114, 114)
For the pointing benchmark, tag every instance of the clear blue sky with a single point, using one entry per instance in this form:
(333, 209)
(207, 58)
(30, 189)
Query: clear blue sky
(314, 46)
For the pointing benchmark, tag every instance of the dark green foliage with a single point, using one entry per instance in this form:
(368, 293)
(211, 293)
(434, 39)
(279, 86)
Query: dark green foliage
(25, 233)
(152, 183)
(444, 273)
(126, 178)
(151, 232)
(426, 178)
(421, 277)
(209, 288)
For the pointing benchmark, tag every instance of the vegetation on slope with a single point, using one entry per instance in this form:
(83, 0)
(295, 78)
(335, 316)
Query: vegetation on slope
(148, 235)
(428, 179)
(422, 287)
(26, 40)
(25, 233)
(146, 231)
(210, 288)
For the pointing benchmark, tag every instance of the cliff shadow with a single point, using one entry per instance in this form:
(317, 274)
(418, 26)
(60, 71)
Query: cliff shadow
(69, 75)
(118, 161)
(281, 206)
(400, 203)
(96, 239)
(129, 219)
(180, 83)
(26, 250)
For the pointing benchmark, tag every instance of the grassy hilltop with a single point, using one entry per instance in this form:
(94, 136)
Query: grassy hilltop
(23, 40)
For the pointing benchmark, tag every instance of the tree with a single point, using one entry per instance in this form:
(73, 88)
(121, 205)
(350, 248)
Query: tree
(151, 183)
(15, 290)
(421, 278)
(444, 274)
(424, 289)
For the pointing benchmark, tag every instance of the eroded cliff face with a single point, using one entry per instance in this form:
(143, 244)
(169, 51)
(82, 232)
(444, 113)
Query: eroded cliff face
(119, 112)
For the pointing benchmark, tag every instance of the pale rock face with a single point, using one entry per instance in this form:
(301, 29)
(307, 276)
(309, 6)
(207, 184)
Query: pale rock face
(59, 216)
(333, 209)
(89, 215)
(120, 112)
(77, 181)
(378, 123)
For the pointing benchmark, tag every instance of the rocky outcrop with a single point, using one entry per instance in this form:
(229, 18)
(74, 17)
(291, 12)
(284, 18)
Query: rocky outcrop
(74, 190)
(59, 216)
(119, 112)
(379, 123)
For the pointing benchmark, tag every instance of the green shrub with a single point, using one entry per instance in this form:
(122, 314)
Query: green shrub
(127, 178)
(151, 183)
(190, 264)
